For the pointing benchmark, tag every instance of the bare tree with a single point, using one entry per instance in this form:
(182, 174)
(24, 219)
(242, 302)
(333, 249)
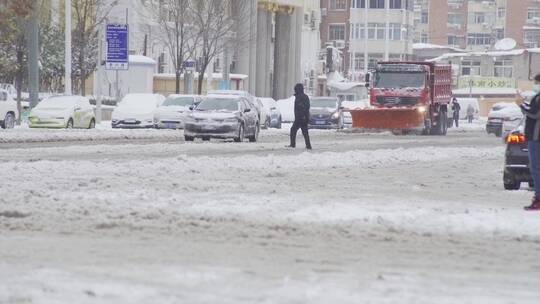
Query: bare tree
(88, 15)
(175, 21)
(13, 19)
(216, 22)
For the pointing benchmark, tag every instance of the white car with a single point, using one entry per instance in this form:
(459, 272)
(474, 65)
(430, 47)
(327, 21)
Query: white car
(251, 99)
(136, 111)
(8, 110)
(503, 118)
(172, 112)
(63, 112)
(271, 116)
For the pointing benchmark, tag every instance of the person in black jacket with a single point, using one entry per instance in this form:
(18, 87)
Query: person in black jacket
(301, 116)
(456, 107)
(532, 134)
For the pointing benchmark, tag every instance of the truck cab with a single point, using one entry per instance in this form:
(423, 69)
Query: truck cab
(407, 96)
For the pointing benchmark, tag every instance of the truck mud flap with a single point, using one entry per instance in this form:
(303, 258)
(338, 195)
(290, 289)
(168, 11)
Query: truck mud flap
(390, 119)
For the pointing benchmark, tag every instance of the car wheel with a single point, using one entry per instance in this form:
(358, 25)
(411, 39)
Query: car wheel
(9, 121)
(279, 123)
(510, 183)
(189, 138)
(240, 137)
(69, 124)
(92, 124)
(266, 123)
(498, 133)
(443, 124)
(531, 184)
(255, 136)
(206, 138)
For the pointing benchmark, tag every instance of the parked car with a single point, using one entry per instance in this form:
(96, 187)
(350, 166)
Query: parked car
(271, 114)
(286, 108)
(172, 112)
(136, 111)
(63, 112)
(503, 113)
(516, 160)
(223, 116)
(250, 98)
(9, 88)
(352, 105)
(325, 113)
(8, 110)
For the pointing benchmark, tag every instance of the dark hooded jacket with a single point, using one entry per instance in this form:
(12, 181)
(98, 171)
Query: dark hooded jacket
(532, 122)
(301, 104)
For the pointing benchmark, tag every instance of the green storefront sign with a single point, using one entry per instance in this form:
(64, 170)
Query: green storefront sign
(485, 82)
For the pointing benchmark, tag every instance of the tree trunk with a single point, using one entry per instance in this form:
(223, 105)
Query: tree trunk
(201, 79)
(18, 83)
(81, 67)
(177, 81)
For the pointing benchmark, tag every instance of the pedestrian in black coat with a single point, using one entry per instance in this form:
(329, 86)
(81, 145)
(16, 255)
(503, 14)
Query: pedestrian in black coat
(456, 108)
(301, 116)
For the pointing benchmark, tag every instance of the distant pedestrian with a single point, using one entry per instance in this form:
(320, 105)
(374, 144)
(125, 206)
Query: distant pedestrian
(532, 134)
(470, 113)
(301, 116)
(455, 108)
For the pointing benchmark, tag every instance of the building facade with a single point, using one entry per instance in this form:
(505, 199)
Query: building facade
(477, 25)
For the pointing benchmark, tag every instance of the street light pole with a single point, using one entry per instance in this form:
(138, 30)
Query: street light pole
(67, 65)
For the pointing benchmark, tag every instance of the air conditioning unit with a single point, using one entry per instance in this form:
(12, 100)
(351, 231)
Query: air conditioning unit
(323, 11)
(485, 25)
(340, 44)
(488, 3)
(315, 15)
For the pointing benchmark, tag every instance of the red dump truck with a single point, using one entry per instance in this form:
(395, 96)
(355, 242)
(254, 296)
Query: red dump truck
(407, 97)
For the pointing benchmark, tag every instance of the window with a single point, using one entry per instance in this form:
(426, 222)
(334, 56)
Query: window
(395, 31)
(376, 3)
(396, 4)
(531, 38)
(470, 68)
(338, 4)
(503, 68)
(424, 18)
(336, 32)
(358, 3)
(357, 31)
(533, 13)
(478, 39)
(455, 19)
(424, 38)
(499, 33)
(454, 40)
(501, 12)
(477, 18)
(376, 31)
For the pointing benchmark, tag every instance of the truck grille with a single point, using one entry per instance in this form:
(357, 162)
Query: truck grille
(397, 100)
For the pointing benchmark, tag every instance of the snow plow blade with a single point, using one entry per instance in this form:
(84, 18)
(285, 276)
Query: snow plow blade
(390, 119)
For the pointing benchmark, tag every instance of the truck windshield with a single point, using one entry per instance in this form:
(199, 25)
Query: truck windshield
(399, 80)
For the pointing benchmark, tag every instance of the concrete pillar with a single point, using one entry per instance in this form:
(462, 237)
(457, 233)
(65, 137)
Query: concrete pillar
(264, 53)
(282, 48)
(246, 48)
(287, 54)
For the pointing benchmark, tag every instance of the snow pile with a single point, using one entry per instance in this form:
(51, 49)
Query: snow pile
(21, 135)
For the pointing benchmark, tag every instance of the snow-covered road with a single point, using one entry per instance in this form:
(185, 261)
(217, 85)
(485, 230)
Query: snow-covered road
(364, 218)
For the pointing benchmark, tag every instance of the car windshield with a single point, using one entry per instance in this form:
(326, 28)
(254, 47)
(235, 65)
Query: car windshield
(59, 102)
(323, 103)
(218, 104)
(399, 80)
(183, 101)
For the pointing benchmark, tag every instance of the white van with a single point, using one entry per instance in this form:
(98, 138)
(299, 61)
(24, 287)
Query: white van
(8, 110)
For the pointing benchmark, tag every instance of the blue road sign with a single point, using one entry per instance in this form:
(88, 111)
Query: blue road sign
(117, 47)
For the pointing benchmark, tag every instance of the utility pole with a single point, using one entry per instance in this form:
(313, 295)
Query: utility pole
(387, 36)
(67, 65)
(33, 56)
(366, 60)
